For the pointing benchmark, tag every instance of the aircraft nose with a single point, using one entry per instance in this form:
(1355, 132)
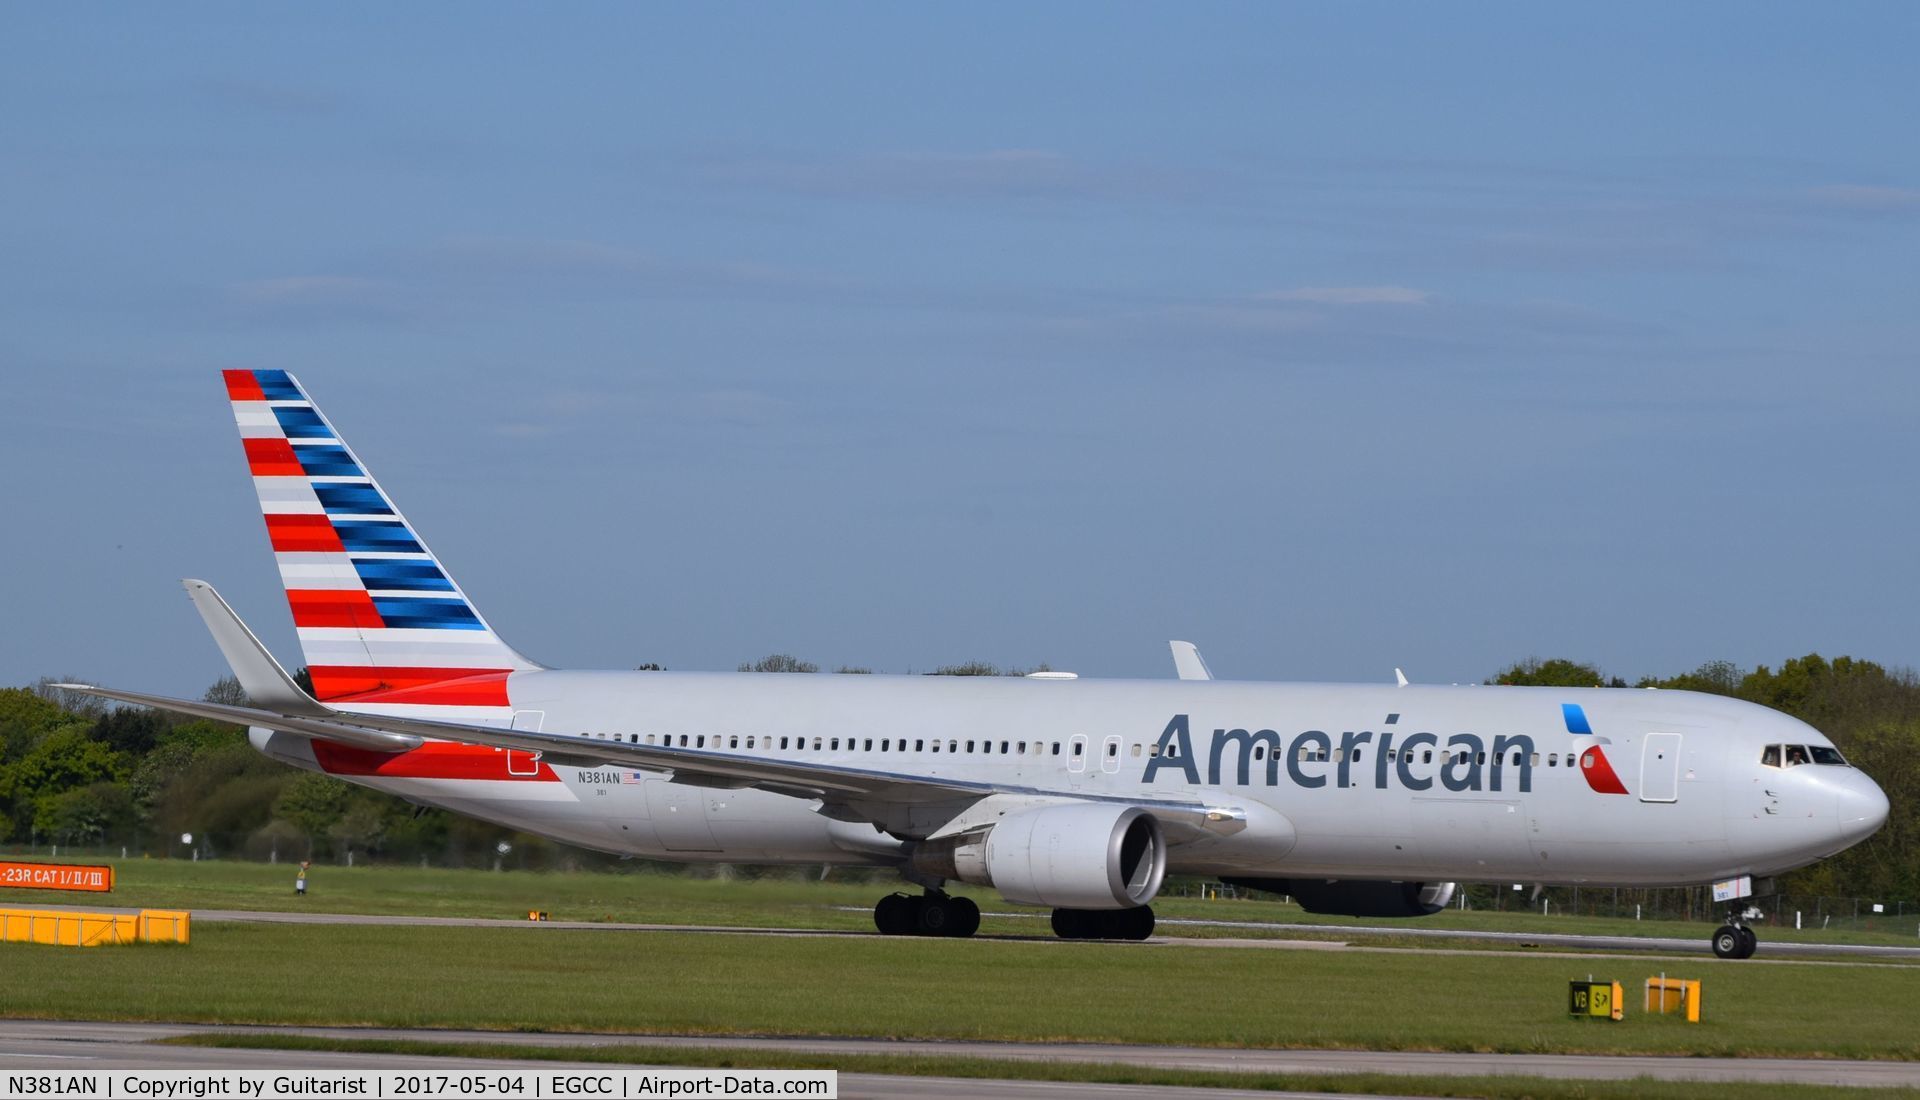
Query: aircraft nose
(1863, 808)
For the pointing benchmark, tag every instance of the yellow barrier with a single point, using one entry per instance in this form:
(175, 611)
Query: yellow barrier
(1666, 994)
(81, 929)
(165, 926)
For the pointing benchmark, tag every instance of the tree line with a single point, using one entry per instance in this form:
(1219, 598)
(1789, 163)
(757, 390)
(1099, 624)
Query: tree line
(79, 773)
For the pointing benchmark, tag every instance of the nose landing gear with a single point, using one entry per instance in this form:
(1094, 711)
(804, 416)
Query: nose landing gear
(934, 913)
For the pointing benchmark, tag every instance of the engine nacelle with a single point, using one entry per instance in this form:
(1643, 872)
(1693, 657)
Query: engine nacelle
(1085, 855)
(1357, 897)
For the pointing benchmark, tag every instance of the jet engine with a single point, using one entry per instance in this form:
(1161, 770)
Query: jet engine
(1084, 855)
(1357, 898)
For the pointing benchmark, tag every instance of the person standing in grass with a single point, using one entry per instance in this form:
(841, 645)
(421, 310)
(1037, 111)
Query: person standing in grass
(300, 880)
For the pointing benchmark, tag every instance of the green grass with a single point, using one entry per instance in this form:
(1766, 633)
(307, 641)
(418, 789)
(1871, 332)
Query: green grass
(796, 900)
(1491, 1087)
(695, 984)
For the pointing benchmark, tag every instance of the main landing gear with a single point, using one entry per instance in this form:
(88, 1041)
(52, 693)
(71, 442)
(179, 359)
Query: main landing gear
(933, 913)
(1104, 924)
(1735, 941)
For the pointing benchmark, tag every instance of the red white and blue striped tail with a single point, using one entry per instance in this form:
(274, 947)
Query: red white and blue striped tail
(381, 623)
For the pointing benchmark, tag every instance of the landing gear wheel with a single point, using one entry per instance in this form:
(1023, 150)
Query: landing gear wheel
(894, 915)
(936, 915)
(1103, 924)
(1729, 942)
(963, 918)
(1072, 924)
(1134, 924)
(1749, 942)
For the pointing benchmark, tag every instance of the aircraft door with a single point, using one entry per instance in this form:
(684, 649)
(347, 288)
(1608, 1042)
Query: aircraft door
(1110, 755)
(679, 814)
(1660, 768)
(520, 761)
(1077, 754)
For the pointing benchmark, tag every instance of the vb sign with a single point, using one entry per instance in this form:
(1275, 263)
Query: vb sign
(1596, 1000)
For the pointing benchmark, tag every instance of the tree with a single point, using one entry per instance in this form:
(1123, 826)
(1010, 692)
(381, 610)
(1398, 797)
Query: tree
(86, 815)
(312, 803)
(971, 668)
(131, 730)
(1558, 672)
(227, 692)
(1715, 677)
(60, 762)
(780, 662)
(851, 670)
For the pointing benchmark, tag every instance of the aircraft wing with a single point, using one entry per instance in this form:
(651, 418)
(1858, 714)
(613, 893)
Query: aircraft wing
(833, 784)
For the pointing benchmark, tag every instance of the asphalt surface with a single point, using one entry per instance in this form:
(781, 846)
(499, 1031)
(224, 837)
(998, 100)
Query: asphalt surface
(61, 1045)
(44, 1046)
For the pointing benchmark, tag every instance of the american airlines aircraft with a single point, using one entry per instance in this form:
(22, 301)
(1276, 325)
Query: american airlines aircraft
(1079, 795)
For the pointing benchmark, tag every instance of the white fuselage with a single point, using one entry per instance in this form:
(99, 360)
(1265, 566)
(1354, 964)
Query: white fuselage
(1333, 781)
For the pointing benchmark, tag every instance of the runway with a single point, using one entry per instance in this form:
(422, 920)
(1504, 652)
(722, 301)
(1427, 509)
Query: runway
(1770, 950)
(37, 1044)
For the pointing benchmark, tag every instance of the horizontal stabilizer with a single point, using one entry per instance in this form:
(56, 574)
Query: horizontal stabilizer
(1187, 662)
(261, 677)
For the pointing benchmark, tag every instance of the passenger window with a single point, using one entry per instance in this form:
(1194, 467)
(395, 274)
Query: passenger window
(883, 744)
(650, 738)
(1056, 748)
(1305, 753)
(936, 746)
(1136, 750)
(953, 746)
(920, 745)
(869, 746)
(835, 743)
(1003, 748)
(969, 746)
(1356, 755)
(1428, 757)
(816, 744)
(1023, 748)
(1259, 752)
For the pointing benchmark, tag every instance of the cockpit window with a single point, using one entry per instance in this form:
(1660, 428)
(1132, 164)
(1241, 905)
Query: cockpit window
(1796, 755)
(1827, 754)
(1770, 756)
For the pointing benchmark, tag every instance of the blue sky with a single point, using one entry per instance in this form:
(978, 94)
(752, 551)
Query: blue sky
(1331, 339)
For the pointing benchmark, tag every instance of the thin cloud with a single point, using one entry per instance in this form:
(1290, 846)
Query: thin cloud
(986, 175)
(1352, 296)
(319, 297)
(1869, 199)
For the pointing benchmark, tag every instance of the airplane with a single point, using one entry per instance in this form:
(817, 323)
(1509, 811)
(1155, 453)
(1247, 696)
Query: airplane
(1075, 794)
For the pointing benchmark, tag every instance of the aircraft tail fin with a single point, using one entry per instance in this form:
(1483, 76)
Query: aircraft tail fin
(380, 620)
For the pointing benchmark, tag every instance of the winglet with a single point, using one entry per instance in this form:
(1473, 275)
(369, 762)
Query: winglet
(1187, 662)
(261, 677)
(1399, 678)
